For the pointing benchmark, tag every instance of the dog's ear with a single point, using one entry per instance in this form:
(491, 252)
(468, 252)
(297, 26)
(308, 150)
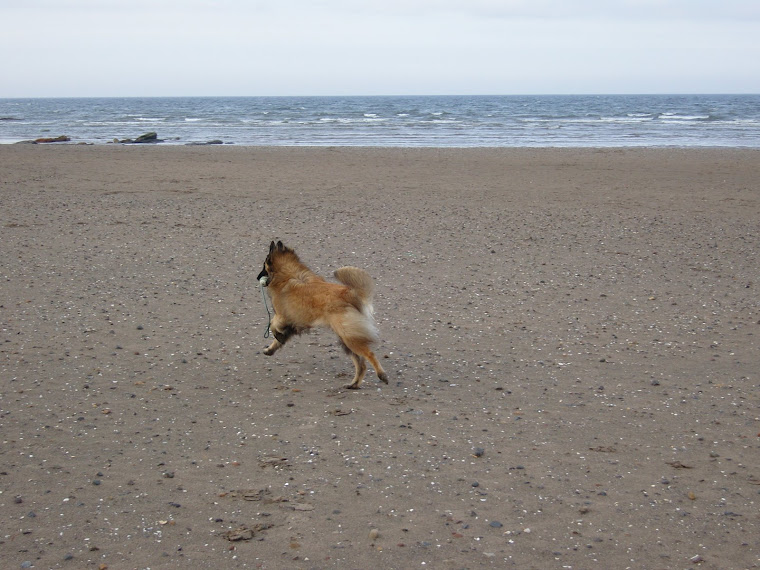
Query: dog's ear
(271, 247)
(280, 246)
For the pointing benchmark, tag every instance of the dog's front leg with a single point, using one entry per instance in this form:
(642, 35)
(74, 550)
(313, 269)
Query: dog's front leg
(282, 332)
(272, 348)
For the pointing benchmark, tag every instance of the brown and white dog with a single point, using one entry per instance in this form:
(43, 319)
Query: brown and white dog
(302, 300)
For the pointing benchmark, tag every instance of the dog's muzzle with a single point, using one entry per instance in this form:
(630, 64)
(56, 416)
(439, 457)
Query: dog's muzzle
(264, 280)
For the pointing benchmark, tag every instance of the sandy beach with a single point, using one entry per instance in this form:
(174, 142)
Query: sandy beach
(571, 337)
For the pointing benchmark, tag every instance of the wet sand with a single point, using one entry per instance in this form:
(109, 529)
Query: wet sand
(571, 338)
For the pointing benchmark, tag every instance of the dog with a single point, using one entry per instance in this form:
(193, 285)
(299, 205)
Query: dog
(302, 300)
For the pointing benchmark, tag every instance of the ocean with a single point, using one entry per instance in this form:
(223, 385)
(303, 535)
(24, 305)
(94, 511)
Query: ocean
(396, 121)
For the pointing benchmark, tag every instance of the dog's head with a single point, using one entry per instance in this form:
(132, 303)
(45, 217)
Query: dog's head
(267, 273)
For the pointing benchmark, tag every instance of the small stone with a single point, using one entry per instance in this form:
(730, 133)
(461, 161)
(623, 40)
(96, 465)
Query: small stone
(495, 524)
(373, 534)
(478, 452)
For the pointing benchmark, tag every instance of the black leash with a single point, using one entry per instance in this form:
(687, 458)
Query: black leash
(269, 315)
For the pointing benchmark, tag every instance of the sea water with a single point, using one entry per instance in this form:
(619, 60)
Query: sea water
(397, 121)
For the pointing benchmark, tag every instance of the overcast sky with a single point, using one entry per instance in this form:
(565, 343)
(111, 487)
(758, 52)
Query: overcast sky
(60, 48)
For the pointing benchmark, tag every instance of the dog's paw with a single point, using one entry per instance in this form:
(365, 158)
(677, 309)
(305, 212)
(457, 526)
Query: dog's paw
(268, 351)
(383, 377)
(351, 386)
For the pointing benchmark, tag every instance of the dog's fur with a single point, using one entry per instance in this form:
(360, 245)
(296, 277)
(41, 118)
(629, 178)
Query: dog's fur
(302, 299)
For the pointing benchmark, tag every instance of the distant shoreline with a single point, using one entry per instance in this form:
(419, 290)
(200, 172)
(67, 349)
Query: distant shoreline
(535, 121)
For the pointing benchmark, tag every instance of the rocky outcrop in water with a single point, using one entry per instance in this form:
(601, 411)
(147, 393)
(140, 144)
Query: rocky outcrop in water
(151, 137)
(215, 141)
(62, 138)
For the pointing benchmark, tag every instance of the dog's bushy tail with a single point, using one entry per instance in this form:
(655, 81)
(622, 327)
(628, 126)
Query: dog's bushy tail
(361, 285)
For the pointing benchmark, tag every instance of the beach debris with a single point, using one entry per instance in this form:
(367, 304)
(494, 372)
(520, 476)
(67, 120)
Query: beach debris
(248, 494)
(263, 495)
(240, 533)
(679, 465)
(275, 462)
(244, 532)
(373, 534)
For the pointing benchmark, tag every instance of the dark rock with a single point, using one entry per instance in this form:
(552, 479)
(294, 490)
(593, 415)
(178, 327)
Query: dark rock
(150, 137)
(215, 141)
(62, 138)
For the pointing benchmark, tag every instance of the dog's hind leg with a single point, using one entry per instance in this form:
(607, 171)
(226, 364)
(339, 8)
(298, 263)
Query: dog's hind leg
(359, 350)
(361, 368)
(376, 365)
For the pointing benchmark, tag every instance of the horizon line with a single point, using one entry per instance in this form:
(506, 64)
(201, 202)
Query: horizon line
(547, 94)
